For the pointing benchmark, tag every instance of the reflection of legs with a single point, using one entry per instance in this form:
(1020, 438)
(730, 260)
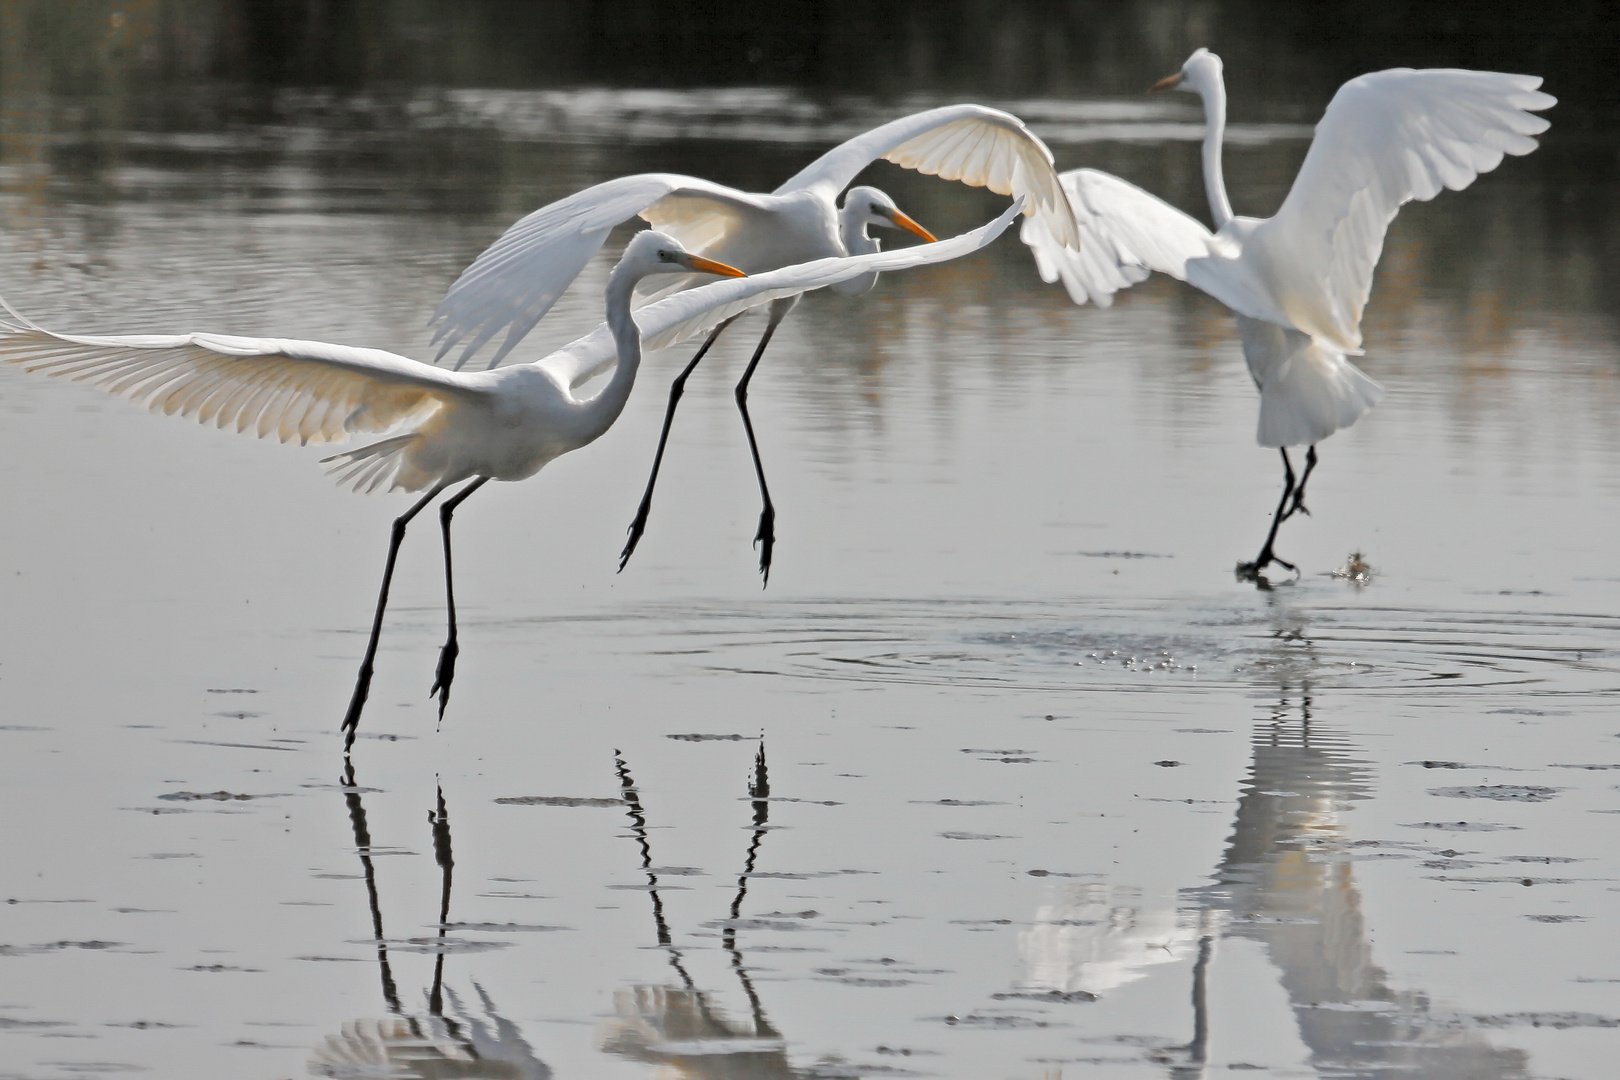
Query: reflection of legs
(765, 535)
(638, 828)
(676, 389)
(440, 820)
(362, 844)
(759, 791)
(446, 673)
(362, 682)
(1267, 556)
(1198, 1049)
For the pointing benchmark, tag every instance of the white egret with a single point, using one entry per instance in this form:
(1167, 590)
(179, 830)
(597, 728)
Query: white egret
(1298, 281)
(451, 426)
(517, 280)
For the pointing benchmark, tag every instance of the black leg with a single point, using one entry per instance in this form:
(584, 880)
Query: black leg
(1298, 505)
(765, 535)
(446, 673)
(362, 682)
(1251, 571)
(676, 389)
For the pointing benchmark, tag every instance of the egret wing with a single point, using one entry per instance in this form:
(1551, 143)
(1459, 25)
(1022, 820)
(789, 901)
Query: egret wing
(305, 390)
(696, 311)
(1387, 138)
(1124, 234)
(975, 144)
(520, 276)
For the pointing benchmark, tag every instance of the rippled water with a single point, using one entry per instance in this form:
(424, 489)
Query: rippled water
(1004, 776)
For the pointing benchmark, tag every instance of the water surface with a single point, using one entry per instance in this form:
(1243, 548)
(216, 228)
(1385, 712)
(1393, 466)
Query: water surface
(1004, 776)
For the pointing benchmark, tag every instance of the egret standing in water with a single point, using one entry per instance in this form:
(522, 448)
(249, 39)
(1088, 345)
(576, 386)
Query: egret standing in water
(453, 427)
(1297, 281)
(515, 282)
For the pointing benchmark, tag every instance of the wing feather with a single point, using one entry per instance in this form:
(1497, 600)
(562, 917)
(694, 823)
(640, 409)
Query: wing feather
(685, 315)
(1388, 138)
(977, 145)
(1124, 234)
(304, 390)
(521, 275)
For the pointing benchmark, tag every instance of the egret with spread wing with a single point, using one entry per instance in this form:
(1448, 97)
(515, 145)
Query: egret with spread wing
(517, 280)
(1298, 281)
(448, 427)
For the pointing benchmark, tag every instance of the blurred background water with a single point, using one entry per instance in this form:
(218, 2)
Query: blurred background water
(1044, 792)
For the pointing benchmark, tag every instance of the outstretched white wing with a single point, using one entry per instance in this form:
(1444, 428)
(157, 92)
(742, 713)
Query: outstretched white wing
(1124, 234)
(304, 390)
(696, 311)
(1387, 138)
(518, 277)
(978, 145)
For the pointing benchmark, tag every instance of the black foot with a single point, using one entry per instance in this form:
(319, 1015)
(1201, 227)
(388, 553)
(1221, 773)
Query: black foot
(1255, 571)
(637, 527)
(445, 674)
(765, 540)
(357, 705)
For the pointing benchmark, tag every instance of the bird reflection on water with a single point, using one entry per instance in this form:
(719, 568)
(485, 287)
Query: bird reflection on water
(442, 1043)
(1286, 881)
(678, 1028)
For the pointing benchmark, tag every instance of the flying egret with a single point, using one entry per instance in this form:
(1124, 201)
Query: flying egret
(451, 426)
(1297, 281)
(515, 282)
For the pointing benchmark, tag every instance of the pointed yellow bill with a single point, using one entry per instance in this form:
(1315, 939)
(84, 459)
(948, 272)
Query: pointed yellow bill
(709, 266)
(911, 226)
(1170, 82)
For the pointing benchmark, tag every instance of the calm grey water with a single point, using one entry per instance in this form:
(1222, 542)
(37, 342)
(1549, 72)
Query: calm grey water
(1004, 776)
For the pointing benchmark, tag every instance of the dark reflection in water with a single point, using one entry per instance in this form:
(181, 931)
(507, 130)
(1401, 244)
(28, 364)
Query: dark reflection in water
(463, 1041)
(680, 1027)
(892, 46)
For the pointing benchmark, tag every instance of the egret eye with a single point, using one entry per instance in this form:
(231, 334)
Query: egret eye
(664, 255)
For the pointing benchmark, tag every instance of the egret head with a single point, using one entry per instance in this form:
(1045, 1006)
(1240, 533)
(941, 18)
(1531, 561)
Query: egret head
(1202, 71)
(652, 252)
(865, 206)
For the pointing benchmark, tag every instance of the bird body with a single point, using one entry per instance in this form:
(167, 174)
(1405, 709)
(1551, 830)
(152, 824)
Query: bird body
(440, 427)
(1386, 138)
(512, 285)
(504, 424)
(1299, 280)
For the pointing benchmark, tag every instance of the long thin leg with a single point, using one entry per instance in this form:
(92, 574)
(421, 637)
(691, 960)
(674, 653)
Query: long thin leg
(676, 389)
(1298, 505)
(446, 673)
(362, 682)
(765, 535)
(1266, 557)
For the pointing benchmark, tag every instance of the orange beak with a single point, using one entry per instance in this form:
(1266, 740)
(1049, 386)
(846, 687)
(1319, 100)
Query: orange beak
(1168, 83)
(911, 226)
(709, 266)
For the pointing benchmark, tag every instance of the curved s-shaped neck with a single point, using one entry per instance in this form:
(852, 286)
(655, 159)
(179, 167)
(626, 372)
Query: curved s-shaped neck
(605, 407)
(852, 231)
(1213, 91)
